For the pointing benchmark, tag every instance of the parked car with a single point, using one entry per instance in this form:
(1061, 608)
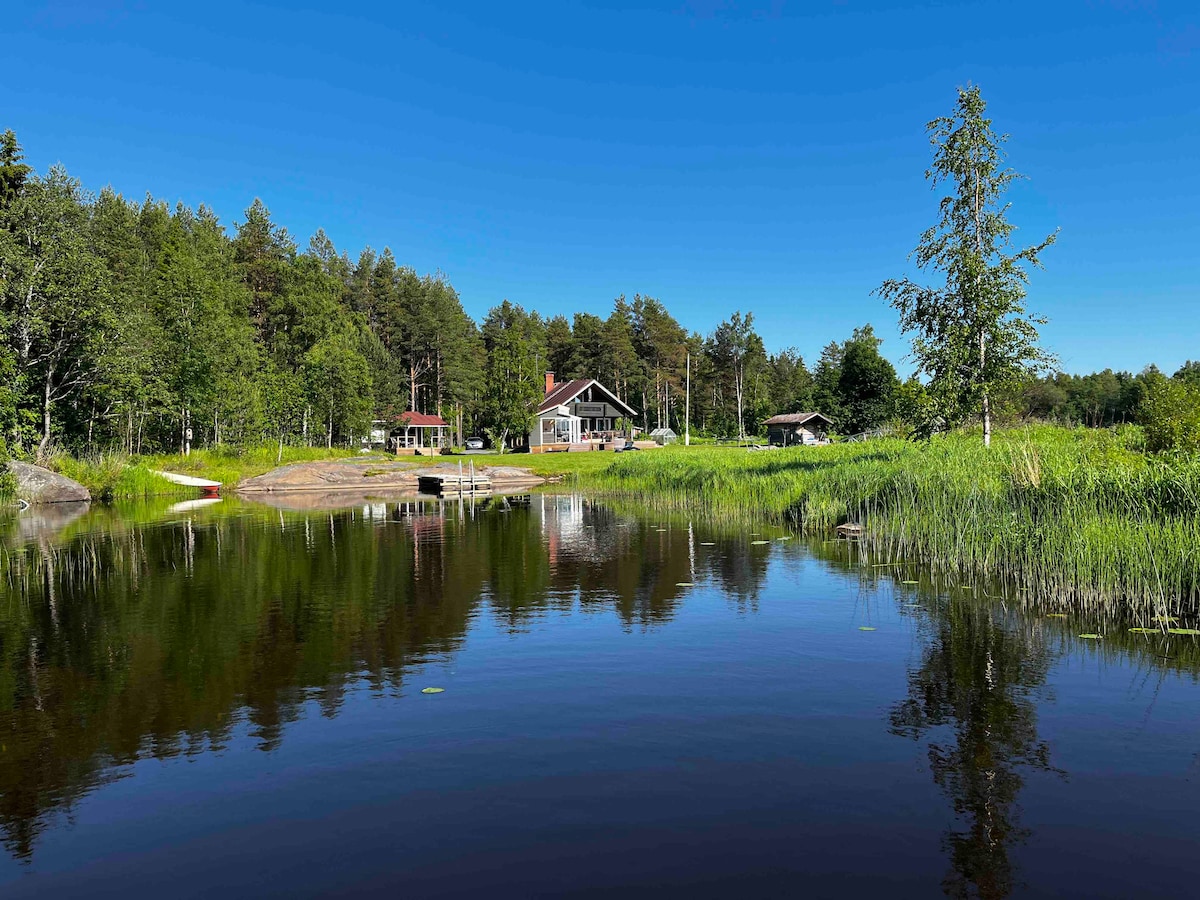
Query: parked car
(474, 443)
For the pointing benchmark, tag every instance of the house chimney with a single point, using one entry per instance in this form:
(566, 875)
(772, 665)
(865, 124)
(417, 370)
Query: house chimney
(549, 382)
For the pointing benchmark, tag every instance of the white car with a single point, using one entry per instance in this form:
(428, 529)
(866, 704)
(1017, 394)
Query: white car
(474, 443)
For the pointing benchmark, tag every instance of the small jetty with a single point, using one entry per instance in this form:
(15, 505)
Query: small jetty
(849, 530)
(207, 488)
(447, 484)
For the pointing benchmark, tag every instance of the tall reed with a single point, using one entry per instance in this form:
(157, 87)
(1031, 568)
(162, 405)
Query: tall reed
(1073, 515)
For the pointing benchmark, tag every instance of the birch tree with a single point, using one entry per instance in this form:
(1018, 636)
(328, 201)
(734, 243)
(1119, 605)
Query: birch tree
(972, 335)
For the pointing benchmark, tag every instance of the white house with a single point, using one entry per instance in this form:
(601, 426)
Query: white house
(580, 414)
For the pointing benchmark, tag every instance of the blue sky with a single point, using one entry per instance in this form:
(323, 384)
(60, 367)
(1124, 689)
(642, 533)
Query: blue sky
(759, 155)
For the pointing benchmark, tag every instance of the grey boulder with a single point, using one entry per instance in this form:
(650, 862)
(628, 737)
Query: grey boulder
(38, 485)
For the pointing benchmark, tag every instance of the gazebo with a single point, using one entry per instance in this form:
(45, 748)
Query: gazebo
(418, 434)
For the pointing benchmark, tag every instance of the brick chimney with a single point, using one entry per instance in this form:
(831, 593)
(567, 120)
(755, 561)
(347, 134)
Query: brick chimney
(549, 382)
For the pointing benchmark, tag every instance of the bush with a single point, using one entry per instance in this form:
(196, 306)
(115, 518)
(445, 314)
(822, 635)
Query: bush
(8, 483)
(1171, 416)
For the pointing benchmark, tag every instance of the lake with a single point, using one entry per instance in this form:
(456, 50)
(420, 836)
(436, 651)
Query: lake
(229, 699)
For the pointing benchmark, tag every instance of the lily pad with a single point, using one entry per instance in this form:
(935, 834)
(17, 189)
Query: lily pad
(786, 537)
(1143, 631)
(708, 543)
(910, 582)
(865, 628)
(1170, 620)
(432, 690)
(760, 542)
(1090, 636)
(684, 584)
(1183, 630)
(1056, 615)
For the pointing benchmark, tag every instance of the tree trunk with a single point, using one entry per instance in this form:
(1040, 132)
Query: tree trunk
(987, 411)
(329, 432)
(44, 443)
(737, 387)
(987, 421)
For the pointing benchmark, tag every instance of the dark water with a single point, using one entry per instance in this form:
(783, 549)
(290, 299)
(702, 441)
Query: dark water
(227, 700)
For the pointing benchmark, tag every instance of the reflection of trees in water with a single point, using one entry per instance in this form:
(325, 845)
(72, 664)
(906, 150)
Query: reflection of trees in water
(156, 640)
(973, 697)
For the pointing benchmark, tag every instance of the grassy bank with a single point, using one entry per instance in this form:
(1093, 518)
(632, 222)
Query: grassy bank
(115, 476)
(1071, 515)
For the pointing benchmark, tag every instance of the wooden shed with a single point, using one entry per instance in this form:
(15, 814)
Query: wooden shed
(791, 429)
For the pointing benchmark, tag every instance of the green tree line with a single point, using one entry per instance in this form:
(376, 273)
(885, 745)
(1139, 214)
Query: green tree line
(138, 326)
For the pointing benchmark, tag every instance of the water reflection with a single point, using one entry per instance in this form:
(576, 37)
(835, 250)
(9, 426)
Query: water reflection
(973, 699)
(154, 640)
(176, 631)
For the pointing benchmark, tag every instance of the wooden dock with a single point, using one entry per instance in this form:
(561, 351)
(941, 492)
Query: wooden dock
(850, 531)
(451, 485)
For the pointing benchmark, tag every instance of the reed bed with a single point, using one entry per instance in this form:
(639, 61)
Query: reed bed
(1074, 516)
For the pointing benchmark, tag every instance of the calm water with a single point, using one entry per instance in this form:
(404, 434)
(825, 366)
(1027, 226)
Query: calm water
(228, 699)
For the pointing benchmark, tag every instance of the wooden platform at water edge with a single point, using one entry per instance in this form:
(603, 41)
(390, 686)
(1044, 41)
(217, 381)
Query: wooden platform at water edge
(454, 485)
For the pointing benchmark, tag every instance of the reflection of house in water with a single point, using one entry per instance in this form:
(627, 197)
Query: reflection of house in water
(561, 518)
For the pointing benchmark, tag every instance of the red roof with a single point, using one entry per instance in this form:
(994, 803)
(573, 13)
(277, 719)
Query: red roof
(420, 420)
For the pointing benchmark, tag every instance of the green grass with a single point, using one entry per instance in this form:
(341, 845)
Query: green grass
(1071, 515)
(115, 476)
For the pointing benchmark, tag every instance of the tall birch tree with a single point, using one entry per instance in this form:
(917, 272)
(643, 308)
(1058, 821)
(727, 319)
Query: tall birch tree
(972, 335)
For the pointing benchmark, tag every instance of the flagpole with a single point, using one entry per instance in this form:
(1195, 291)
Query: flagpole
(687, 405)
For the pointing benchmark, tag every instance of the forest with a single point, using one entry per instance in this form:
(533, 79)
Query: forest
(129, 325)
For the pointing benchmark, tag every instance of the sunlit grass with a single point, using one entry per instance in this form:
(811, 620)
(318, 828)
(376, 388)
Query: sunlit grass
(1076, 514)
(117, 476)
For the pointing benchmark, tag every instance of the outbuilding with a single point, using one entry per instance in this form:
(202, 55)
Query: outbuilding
(418, 434)
(664, 436)
(791, 429)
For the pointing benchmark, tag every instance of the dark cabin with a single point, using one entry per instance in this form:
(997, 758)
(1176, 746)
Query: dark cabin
(792, 429)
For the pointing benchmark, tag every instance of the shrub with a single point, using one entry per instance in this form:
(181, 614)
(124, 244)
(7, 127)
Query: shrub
(1171, 416)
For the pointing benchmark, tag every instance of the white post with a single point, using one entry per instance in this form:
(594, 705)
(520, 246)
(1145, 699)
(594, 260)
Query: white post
(687, 406)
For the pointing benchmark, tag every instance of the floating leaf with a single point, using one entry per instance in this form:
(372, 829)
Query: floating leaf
(684, 584)
(708, 543)
(865, 628)
(1143, 631)
(760, 542)
(432, 690)
(1183, 630)
(910, 582)
(786, 537)
(1170, 620)
(1091, 637)
(1056, 615)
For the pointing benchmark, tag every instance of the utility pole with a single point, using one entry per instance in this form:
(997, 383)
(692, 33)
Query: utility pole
(687, 405)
